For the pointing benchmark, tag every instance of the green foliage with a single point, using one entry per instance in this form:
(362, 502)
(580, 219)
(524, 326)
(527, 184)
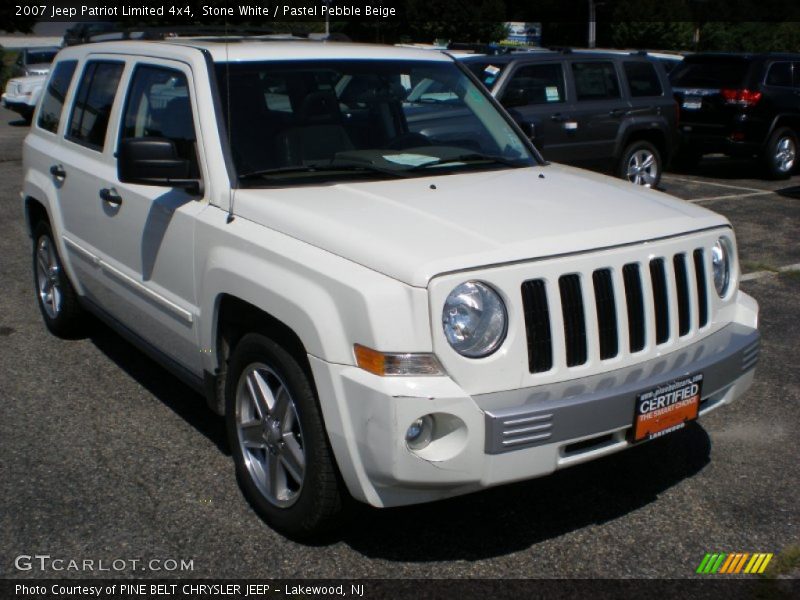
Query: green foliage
(750, 37)
(10, 22)
(672, 35)
(7, 59)
(458, 21)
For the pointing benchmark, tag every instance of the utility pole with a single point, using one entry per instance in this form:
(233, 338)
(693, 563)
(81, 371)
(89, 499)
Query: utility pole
(592, 25)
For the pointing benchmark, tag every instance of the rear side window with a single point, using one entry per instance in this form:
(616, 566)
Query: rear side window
(710, 72)
(92, 107)
(158, 105)
(780, 73)
(537, 84)
(53, 101)
(595, 81)
(642, 79)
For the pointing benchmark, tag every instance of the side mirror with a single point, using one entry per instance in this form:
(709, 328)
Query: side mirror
(514, 97)
(154, 161)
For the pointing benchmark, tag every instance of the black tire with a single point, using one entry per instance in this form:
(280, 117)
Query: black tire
(651, 167)
(63, 316)
(317, 504)
(774, 158)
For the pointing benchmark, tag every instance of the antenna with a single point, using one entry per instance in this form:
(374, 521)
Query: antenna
(231, 194)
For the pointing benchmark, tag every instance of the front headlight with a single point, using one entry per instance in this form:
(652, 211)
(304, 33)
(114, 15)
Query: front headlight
(474, 319)
(721, 254)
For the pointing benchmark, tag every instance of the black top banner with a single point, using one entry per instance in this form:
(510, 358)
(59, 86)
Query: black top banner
(263, 12)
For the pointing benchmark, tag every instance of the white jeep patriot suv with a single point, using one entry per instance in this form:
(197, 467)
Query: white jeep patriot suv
(364, 264)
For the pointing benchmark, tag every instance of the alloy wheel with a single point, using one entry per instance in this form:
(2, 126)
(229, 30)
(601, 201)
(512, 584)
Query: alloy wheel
(47, 277)
(642, 168)
(785, 154)
(269, 434)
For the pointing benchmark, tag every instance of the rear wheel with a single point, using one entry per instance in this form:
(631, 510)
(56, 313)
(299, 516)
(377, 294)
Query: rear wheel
(57, 299)
(284, 463)
(780, 155)
(641, 164)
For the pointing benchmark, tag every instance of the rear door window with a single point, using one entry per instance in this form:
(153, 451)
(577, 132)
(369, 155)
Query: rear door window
(537, 84)
(595, 81)
(54, 95)
(642, 79)
(92, 107)
(780, 74)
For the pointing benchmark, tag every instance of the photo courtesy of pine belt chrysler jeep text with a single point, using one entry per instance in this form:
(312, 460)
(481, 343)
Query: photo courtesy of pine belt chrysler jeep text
(383, 306)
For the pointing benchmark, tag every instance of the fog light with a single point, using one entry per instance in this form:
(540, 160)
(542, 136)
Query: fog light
(419, 433)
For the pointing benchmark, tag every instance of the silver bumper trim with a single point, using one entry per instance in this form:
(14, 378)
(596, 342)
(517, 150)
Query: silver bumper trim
(584, 407)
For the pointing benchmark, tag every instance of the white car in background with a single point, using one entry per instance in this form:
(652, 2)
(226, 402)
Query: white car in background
(22, 94)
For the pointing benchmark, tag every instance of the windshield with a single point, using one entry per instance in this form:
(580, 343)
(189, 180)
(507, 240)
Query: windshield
(334, 119)
(710, 72)
(41, 57)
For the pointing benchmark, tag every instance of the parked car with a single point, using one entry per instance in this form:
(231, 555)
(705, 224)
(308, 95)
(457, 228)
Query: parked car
(605, 111)
(741, 105)
(22, 94)
(34, 61)
(394, 314)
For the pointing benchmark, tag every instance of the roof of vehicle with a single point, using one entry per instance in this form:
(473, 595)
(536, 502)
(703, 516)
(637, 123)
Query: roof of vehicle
(263, 48)
(552, 55)
(32, 49)
(744, 55)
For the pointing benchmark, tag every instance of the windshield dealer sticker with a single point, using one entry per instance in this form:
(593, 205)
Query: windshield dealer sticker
(408, 159)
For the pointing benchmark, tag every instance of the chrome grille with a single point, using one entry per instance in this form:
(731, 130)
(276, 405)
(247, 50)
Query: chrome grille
(658, 308)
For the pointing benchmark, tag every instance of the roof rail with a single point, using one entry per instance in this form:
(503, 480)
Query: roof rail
(167, 32)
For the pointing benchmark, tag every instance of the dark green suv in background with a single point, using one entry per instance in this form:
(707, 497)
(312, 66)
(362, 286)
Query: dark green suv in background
(611, 112)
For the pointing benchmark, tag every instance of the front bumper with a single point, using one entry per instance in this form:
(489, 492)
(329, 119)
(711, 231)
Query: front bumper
(480, 444)
(17, 105)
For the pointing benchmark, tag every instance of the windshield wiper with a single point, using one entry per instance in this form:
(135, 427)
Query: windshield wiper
(323, 168)
(471, 157)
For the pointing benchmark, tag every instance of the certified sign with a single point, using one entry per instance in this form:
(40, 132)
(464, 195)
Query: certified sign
(667, 407)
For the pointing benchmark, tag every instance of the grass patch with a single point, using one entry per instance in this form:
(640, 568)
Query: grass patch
(785, 563)
(752, 267)
(793, 275)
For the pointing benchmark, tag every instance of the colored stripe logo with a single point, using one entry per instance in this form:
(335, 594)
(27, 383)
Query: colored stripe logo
(734, 562)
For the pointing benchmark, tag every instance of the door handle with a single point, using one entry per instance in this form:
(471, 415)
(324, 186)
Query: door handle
(616, 112)
(58, 172)
(110, 196)
(558, 118)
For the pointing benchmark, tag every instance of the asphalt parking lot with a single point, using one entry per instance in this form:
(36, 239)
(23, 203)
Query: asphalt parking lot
(105, 456)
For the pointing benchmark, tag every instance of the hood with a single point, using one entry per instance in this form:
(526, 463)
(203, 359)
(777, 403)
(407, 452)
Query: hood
(414, 229)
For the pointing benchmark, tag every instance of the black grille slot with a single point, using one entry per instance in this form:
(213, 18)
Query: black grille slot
(658, 278)
(635, 302)
(682, 287)
(537, 326)
(606, 313)
(574, 321)
(702, 294)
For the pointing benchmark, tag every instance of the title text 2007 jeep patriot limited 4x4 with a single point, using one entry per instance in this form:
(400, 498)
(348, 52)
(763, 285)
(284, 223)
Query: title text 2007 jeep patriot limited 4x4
(379, 306)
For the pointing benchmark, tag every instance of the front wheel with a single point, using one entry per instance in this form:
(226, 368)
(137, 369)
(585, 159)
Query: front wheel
(283, 461)
(641, 164)
(780, 155)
